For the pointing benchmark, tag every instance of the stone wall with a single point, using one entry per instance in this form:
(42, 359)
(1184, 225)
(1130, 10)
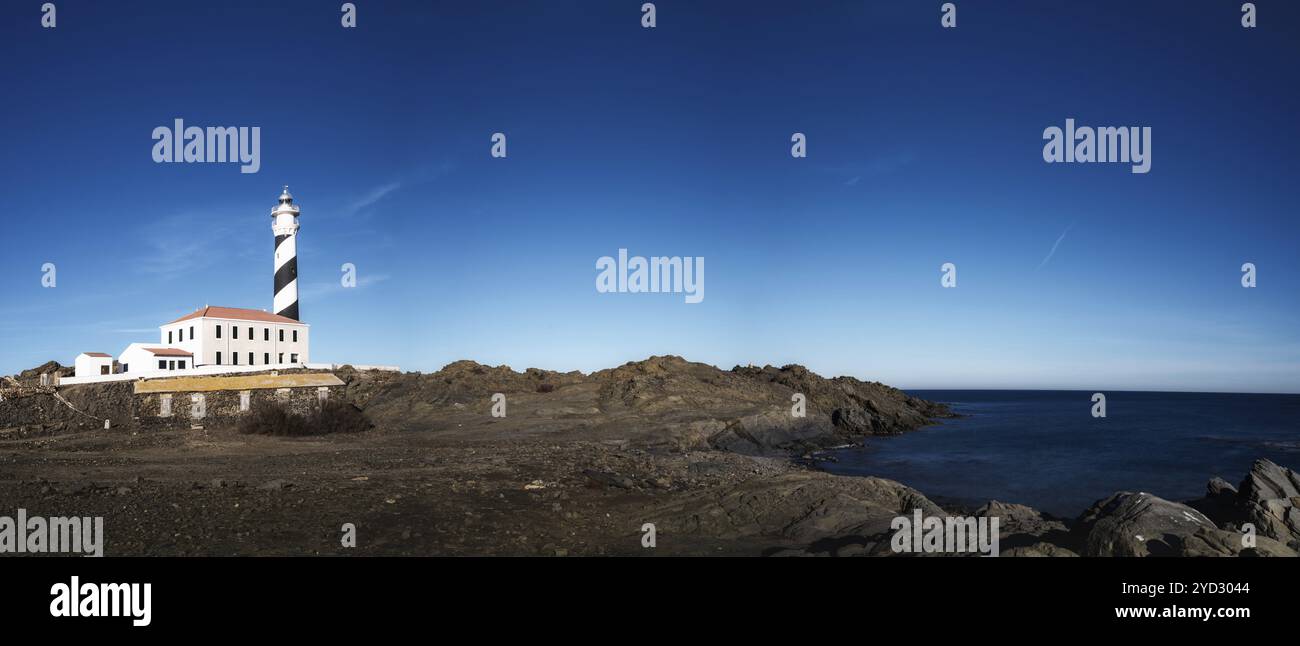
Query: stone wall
(223, 407)
(41, 409)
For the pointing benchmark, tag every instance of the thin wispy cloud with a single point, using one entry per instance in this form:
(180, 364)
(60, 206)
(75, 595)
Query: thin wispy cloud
(361, 205)
(1056, 244)
(880, 165)
(319, 290)
(179, 244)
(375, 195)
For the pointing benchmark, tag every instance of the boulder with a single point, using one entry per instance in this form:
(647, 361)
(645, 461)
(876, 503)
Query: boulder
(1220, 504)
(1138, 524)
(1219, 487)
(1014, 520)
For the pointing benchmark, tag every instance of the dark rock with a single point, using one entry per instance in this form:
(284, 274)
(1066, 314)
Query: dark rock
(1219, 486)
(1020, 526)
(1270, 495)
(609, 479)
(663, 402)
(1221, 542)
(1220, 504)
(854, 421)
(1039, 549)
(1138, 524)
(764, 432)
(802, 507)
(32, 376)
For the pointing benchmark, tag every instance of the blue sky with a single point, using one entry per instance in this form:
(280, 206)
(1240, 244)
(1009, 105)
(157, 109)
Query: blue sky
(924, 147)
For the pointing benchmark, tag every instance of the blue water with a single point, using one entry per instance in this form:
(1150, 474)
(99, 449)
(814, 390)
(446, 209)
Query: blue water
(1044, 449)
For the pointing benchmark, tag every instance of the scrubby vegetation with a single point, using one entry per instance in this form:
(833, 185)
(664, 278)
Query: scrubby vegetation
(332, 417)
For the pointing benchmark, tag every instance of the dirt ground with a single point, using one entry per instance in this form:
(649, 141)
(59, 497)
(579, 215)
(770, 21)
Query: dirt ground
(216, 492)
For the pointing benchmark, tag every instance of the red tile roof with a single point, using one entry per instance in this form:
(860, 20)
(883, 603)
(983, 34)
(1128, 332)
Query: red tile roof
(237, 313)
(96, 354)
(168, 352)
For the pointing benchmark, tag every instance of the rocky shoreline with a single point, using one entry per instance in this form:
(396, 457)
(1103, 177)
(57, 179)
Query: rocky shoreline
(578, 466)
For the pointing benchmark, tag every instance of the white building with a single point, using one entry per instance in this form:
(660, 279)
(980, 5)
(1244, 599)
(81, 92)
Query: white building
(145, 359)
(93, 363)
(232, 336)
(211, 336)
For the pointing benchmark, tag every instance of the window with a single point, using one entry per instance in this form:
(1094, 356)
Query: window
(218, 357)
(293, 358)
(191, 332)
(234, 358)
(250, 335)
(169, 337)
(126, 367)
(281, 358)
(295, 336)
(181, 364)
(234, 331)
(266, 357)
(162, 364)
(250, 359)
(103, 370)
(281, 335)
(171, 365)
(266, 335)
(218, 335)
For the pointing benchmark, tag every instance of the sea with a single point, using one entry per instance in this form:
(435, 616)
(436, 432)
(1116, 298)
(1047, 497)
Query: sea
(1045, 449)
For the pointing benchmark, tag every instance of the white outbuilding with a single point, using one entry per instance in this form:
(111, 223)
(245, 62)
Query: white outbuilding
(89, 364)
(148, 359)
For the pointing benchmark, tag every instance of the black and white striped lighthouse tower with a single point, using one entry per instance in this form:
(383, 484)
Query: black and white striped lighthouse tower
(284, 222)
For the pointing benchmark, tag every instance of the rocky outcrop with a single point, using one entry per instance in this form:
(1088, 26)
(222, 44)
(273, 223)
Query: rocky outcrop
(817, 511)
(32, 376)
(753, 434)
(661, 402)
(1141, 524)
(1270, 500)
(855, 407)
(1123, 524)
(1025, 528)
(1138, 524)
(1267, 503)
(1222, 542)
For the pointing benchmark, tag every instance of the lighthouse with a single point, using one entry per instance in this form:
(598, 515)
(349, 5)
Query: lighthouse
(284, 223)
